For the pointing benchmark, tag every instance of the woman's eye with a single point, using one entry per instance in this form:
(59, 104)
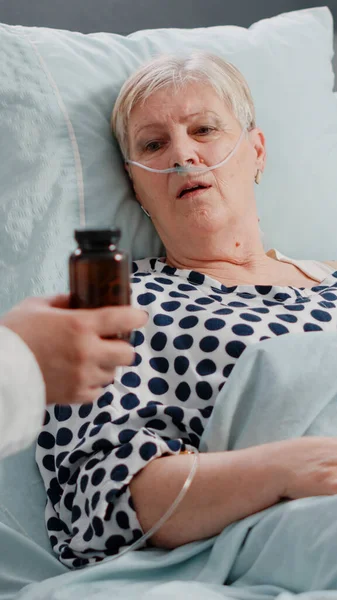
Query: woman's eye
(152, 146)
(204, 130)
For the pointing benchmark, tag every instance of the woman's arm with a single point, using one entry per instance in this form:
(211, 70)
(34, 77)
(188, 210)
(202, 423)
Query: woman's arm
(227, 486)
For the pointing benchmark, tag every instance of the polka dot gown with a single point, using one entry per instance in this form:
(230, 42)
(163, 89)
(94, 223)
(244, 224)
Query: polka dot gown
(197, 330)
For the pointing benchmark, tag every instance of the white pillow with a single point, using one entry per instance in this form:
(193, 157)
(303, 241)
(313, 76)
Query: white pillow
(56, 95)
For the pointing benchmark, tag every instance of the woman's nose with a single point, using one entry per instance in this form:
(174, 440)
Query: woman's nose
(183, 163)
(183, 152)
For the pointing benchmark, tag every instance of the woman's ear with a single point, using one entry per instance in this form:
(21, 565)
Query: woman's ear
(259, 143)
(127, 168)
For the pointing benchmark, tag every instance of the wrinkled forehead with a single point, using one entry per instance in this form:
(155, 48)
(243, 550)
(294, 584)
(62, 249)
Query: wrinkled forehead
(177, 104)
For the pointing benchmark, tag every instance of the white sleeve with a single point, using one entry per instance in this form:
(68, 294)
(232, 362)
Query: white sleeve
(22, 394)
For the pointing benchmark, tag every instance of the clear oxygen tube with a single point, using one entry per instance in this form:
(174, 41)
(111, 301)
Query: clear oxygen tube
(165, 516)
(187, 169)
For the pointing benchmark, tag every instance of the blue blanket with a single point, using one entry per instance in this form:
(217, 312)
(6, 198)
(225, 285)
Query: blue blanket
(279, 389)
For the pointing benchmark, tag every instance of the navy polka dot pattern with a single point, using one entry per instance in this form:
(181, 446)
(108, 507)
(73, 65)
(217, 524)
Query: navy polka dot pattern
(197, 330)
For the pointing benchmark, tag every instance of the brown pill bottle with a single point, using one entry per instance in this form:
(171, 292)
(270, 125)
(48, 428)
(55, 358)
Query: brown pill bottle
(99, 272)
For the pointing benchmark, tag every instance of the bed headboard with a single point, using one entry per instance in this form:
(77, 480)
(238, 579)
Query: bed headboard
(126, 16)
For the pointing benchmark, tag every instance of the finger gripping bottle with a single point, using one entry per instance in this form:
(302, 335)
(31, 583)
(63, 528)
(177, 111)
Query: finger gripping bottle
(98, 271)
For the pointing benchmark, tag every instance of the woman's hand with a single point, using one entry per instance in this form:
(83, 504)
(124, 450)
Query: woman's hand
(307, 466)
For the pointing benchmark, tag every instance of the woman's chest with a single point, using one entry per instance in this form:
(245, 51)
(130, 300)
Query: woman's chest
(183, 314)
(194, 337)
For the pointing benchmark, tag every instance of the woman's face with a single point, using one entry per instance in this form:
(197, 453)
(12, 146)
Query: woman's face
(192, 126)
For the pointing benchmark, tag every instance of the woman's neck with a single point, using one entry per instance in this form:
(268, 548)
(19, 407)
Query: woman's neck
(254, 269)
(231, 269)
(236, 259)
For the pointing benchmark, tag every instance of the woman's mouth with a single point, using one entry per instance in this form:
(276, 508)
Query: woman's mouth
(192, 189)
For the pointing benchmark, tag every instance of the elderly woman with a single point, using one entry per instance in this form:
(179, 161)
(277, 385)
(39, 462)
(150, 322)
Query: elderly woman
(214, 293)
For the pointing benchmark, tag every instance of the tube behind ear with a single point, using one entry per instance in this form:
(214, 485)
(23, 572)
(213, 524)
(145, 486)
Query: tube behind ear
(144, 210)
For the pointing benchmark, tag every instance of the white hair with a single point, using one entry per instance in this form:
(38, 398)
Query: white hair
(172, 70)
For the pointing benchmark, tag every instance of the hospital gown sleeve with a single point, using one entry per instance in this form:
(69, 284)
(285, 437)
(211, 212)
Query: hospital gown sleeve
(87, 457)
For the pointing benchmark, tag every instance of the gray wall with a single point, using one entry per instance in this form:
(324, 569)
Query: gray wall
(125, 16)
(334, 62)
